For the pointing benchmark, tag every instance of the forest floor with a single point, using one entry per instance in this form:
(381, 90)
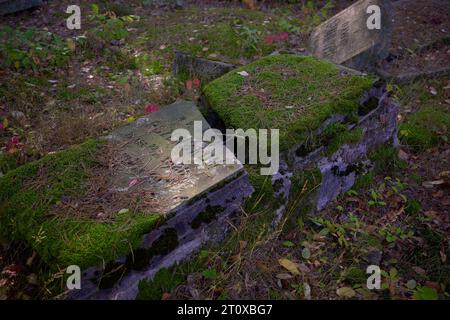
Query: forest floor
(59, 87)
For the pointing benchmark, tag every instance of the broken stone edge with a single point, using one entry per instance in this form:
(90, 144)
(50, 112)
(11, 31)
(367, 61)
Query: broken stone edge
(203, 68)
(340, 170)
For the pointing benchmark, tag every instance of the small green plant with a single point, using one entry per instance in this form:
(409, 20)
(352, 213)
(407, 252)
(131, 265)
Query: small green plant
(288, 26)
(376, 199)
(314, 15)
(31, 49)
(248, 37)
(148, 67)
(336, 229)
(209, 274)
(395, 234)
(110, 27)
(412, 207)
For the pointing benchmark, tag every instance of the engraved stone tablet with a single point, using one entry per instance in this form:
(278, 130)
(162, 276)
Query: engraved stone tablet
(145, 152)
(346, 38)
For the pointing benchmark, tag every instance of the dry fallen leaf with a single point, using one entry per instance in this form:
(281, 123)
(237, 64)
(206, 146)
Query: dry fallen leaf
(345, 292)
(292, 267)
(431, 184)
(250, 4)
(243, 73)
(403, 155)
(433, 91)
(284, 276)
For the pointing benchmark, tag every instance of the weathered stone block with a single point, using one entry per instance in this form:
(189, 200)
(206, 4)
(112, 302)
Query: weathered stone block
(197, 67)
(195, 200)
(346, 38)
(11, 6)
(329, 117)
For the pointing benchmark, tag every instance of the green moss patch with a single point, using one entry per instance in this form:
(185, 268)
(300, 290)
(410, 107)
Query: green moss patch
(425, 128)
(28, 196)
(295, 94)
(164, 281)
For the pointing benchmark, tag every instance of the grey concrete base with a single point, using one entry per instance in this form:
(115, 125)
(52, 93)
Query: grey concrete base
(190, 240)
(340, 170)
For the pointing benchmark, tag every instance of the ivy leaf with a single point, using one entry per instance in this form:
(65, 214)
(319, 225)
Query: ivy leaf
(306, 253)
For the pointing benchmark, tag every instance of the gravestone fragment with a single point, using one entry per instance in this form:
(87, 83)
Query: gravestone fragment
(11, 6)
(196, 200)
(327, 128)
(350, 38)
(197, 67)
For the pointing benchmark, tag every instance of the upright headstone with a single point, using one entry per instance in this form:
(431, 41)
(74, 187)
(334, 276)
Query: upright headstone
(352, 37)
(11, 6)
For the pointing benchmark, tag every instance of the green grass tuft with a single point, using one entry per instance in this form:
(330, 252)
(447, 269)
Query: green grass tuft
(424, 128)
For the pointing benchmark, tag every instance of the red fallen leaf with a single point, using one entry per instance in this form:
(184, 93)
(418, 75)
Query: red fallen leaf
(12, 143)
(132, 183)
(165, 296)
(196, 82)
(1, 126)
(281, 36)
(189, 84)
(151, 108)
(269, 39)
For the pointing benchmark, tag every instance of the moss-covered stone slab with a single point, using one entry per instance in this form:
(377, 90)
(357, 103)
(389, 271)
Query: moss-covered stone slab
(195, 200)
(292, 93)
(39, 206)
(117, 207)
(330, 118)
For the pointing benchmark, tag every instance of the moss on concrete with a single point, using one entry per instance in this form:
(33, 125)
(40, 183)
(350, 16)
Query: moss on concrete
(206, 216)
(295, 94)
(164, 281)
(28, 193)
(344, 137)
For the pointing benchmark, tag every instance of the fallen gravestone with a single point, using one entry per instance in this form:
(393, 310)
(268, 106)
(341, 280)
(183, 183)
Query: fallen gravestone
(118, 207)
(195, 200)
(330, 119)
(191, 66)
(347, 39)
(11, 6)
